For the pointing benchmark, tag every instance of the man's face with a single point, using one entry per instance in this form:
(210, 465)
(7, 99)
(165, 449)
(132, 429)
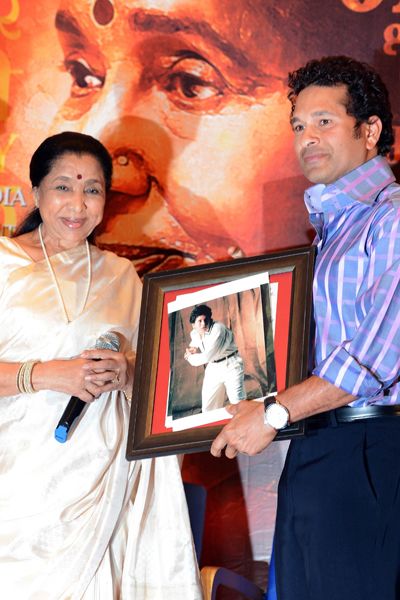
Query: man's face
(200, 324)
(195, 117)
(326, 142)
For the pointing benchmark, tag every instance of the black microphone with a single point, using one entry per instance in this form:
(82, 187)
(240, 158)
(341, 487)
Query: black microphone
(107, 341)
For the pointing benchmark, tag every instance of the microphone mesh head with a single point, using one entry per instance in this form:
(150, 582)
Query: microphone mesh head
(108, 341)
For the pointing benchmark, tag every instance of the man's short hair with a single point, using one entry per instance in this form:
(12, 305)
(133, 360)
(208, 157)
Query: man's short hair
(201, 309)
(367, 94)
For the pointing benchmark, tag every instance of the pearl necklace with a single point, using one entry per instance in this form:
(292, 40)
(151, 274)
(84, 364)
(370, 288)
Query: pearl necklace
(55, 282)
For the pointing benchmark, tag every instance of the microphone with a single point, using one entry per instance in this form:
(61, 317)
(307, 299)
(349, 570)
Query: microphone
(107, 341)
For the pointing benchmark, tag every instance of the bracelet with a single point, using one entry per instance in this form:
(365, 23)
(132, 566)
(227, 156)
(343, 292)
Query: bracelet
(20, 379)
(28, 376)
(24, 377)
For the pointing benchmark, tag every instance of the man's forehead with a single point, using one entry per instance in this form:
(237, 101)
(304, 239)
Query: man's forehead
(321, 97)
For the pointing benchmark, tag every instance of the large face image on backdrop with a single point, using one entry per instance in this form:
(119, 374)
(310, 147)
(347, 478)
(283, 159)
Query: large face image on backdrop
(192, 105)
(191, 102)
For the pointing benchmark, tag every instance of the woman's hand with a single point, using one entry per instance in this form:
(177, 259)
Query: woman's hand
(87, 376)
(65, 375)
(108, 370)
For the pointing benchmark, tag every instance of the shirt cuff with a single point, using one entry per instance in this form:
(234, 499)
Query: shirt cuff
(344, 371)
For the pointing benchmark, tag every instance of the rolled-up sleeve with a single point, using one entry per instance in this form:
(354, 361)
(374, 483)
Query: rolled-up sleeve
(215, 343)
(370, 361)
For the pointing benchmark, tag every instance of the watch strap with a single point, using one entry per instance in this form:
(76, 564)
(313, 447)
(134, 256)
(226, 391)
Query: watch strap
(273, 399)
(270, 399)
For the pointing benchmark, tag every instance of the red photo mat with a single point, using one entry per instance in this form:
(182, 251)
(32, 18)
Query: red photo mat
(281, 341)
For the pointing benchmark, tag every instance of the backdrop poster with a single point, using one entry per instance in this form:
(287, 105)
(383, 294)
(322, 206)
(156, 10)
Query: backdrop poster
(190, 99)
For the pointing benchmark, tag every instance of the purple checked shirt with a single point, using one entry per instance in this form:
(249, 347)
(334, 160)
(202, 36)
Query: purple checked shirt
(357, 282)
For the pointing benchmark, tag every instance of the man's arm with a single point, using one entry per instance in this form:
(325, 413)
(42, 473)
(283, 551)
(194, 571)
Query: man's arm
(366, 364)
(214, 343)
(247, 433)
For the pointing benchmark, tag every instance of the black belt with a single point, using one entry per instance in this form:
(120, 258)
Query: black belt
(226, 357)
(350, 414)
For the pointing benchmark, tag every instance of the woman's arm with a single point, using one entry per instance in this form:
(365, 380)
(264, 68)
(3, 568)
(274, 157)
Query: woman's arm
(8, 378)
(82, 376)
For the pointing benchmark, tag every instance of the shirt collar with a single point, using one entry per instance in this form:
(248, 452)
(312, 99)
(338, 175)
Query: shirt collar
(360, 185)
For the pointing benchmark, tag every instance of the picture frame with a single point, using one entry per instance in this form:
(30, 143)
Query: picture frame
(263, 301)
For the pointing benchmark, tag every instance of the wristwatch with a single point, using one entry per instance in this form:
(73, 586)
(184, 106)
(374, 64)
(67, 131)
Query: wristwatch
(275, 415)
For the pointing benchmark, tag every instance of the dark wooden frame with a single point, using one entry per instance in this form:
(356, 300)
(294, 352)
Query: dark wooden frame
(142, 443)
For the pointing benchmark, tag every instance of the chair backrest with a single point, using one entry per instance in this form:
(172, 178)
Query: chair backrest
(196, 498)
(214, 577)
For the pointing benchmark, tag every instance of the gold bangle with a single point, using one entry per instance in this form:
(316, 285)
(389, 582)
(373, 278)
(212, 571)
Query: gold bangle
(24, 377)
(20, 379)
(28, 376)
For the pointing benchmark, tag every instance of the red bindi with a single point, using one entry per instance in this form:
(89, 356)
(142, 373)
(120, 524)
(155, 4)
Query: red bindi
(79, 176)
(103, 12)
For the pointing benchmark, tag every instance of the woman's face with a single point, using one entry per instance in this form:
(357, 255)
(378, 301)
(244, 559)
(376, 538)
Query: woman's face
(71, 200)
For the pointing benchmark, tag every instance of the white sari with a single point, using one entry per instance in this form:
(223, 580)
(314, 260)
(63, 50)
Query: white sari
(78, 521)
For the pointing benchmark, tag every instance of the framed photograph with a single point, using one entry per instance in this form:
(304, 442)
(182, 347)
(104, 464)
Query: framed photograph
(216, 334)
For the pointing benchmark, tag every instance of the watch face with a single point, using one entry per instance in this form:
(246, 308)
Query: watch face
(276, 415)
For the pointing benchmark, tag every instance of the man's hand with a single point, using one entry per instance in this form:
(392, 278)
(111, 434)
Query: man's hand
(189, 351)
(246, 432)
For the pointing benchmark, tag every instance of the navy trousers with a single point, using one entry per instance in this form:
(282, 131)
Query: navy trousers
(337, 532)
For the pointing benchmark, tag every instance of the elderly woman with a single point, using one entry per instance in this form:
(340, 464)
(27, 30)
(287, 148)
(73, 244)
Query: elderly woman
(77, 521)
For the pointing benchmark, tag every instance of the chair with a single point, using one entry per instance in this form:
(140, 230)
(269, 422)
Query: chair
(196, 498)
(213, 577)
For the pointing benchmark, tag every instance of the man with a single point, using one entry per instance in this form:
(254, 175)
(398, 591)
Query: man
(213, 344)
(337, 528)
